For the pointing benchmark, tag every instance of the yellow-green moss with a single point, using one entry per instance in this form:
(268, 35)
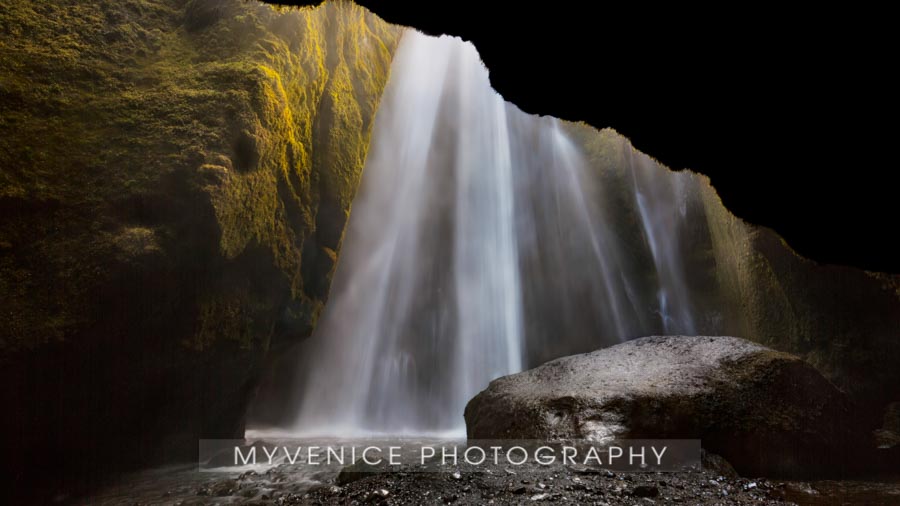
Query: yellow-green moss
(295, 89)
(259, 110)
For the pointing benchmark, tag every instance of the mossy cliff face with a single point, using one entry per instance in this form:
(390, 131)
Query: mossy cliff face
(746, 281)
(175, 178)
(842, 320)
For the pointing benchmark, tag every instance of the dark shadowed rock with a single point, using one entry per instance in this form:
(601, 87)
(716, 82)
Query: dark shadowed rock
(358, 471)
(716, 464)
(645, 491)
(888, 436)
(159, 247)
(766, 412)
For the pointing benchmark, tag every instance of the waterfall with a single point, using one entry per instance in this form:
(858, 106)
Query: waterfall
(481, 242)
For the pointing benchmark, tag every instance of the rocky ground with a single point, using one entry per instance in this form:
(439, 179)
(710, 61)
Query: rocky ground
(285, 485)
(715, 389)
(565, 485)
(571, 486)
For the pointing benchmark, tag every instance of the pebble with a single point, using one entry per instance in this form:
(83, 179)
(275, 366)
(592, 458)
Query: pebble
(378, 495)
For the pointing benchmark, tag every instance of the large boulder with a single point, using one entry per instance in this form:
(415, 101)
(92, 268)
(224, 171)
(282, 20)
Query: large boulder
(766, 412)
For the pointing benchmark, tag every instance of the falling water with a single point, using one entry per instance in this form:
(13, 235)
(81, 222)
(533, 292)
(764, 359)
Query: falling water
(661, 207)
(481, 242)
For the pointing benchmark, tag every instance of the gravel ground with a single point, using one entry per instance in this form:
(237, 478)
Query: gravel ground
(564, 485)
(289, 485)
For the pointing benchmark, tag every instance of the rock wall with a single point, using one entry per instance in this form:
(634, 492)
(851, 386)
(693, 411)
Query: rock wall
(842, 320)
(746, 281)
(175, 177)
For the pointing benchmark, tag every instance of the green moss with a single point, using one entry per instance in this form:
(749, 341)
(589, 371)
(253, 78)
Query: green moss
(125, 115)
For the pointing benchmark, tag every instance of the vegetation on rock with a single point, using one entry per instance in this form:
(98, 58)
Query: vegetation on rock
(750, 283)
(175, 177)
(113, 109)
